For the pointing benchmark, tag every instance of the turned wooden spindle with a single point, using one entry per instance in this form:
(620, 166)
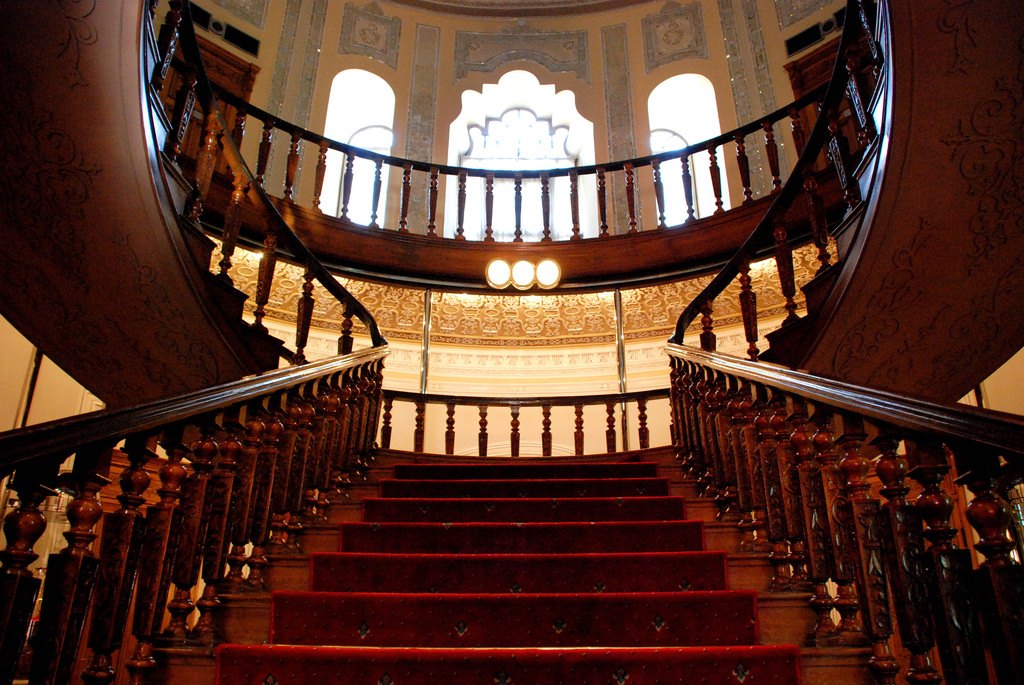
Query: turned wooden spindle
(403, 220)
(699, 390)
(345, 340)
(263, 154)
(545, 208)
(574, 203)
(748, 309)
(167, 45)
(631, 196)
(316, 397)
(578, 435)
(121, 545)
(744, 166)
(289, 463)
(748, 458)
(298, 402)
(708, 341)
(684, 161)
(417, 433)
(819, 224)
(643, 432)
(489, 207)
(771, 480)
(659, 192)
(772, 151)
(609, 433)
(240, 445)
(514, 431)
(449, 433)
(602, 203)
(270, 464)
(545, 430)
(792, 499)
(784, 267)
(206, 162)
(332, 398)
(797, 130)
(291, 169)
(460, 229)
(482, 438)
(238, 132)
(265, 277)
(378, 184)
(432, 204)
(385, 429)
(518, 208)
(303, 318)
(716, 179)
(346, 184)
(232, 224)
(319, 174)
(839, 154)
(181, 117)
(726, 497)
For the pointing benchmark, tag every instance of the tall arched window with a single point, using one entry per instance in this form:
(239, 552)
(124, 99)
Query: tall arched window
(519, 124)
(682, 111)
(368, 126)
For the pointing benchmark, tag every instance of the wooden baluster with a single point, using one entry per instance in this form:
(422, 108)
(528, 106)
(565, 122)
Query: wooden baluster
(545, 430)
(643, 432)
(708, 342)
(167, 45)
(292, 165)
(181, 117)
(659, 192)
(482, 439)
(385, 429)
(792, 497)
(265, 278)
(417, 434)
(821, 558)
(771, 481)
(489, 207)
(999, 578)
(261, 499)
(319, 427)
(232, 224)
(449, 433)
(192, 532)
(216, 511)
(900, 529)
(514, 430)
(631, 196)
(346, 184)
(749, 409)
(403, 220)
(460, 229)
(300, 464)
(864, 512)
(289, 461)
(680, 433)
(797, 129)
(578, 435)
(772, 151)
(373, 380)
(70, 577)
(545, 208)
(819, 226)
(744, 166)
(238, 132)
(609, 434)
(716, 179)
(518, 208)
(345, 340)
(321, 171)
(121, 545)
(18, 586)
(784, 267)
(303, 318)
(351, 415)
(574, 203)
(948, 569)
(378, 182)
(726, 487)
(840, 525)
(263, 155)
(331, 401)
(684, 159)
(855, 95)
(375, 417)
(689, 423)
(839, 154)
(602, 203)
(206, 162)
(432, 206)
(748, 308)
(706, 481)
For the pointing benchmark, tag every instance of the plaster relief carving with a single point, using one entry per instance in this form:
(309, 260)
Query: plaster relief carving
(555, 50)
(368, 31)
(677, 32)
(792, 11)
(252, 11)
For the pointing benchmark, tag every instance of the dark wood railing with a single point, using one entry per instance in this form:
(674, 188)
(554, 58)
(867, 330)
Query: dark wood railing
(848, 485)
(613, 404)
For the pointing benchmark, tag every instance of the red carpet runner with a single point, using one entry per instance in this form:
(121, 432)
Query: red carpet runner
(524, 574)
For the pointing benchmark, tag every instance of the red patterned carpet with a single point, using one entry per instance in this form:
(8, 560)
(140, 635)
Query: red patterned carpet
(516, 573)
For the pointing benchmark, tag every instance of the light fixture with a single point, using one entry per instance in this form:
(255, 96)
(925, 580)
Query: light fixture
(499, 273)
(548, 273)
(522, 274)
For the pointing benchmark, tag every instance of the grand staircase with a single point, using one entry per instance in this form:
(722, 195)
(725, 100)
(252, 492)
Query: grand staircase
(517, 573)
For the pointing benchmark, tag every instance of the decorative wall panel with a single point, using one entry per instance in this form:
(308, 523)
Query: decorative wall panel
(252, 11)
(368, 31)
(792, 11)
(419, 130)
(555, 50)
(619, 112)
(677, 32)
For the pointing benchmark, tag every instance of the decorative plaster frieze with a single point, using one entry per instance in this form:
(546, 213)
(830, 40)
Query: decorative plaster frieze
(252, 11)
(368, 31)
(555, 50)
(619, 114)
(675, 33)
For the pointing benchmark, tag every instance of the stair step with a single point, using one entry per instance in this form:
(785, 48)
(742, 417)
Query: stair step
(629, 469)
(560, 487)
(541, 620)
(523, 538)
(527, 573)
(301, 665)
(525, 509)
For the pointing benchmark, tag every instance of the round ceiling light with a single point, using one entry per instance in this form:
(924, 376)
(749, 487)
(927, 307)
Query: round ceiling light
(522, 274)
(548, 273)
(499, 273)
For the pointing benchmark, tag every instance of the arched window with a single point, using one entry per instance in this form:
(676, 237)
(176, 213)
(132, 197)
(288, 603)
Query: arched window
(683, 110)
(518, 125)
(368, 126)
